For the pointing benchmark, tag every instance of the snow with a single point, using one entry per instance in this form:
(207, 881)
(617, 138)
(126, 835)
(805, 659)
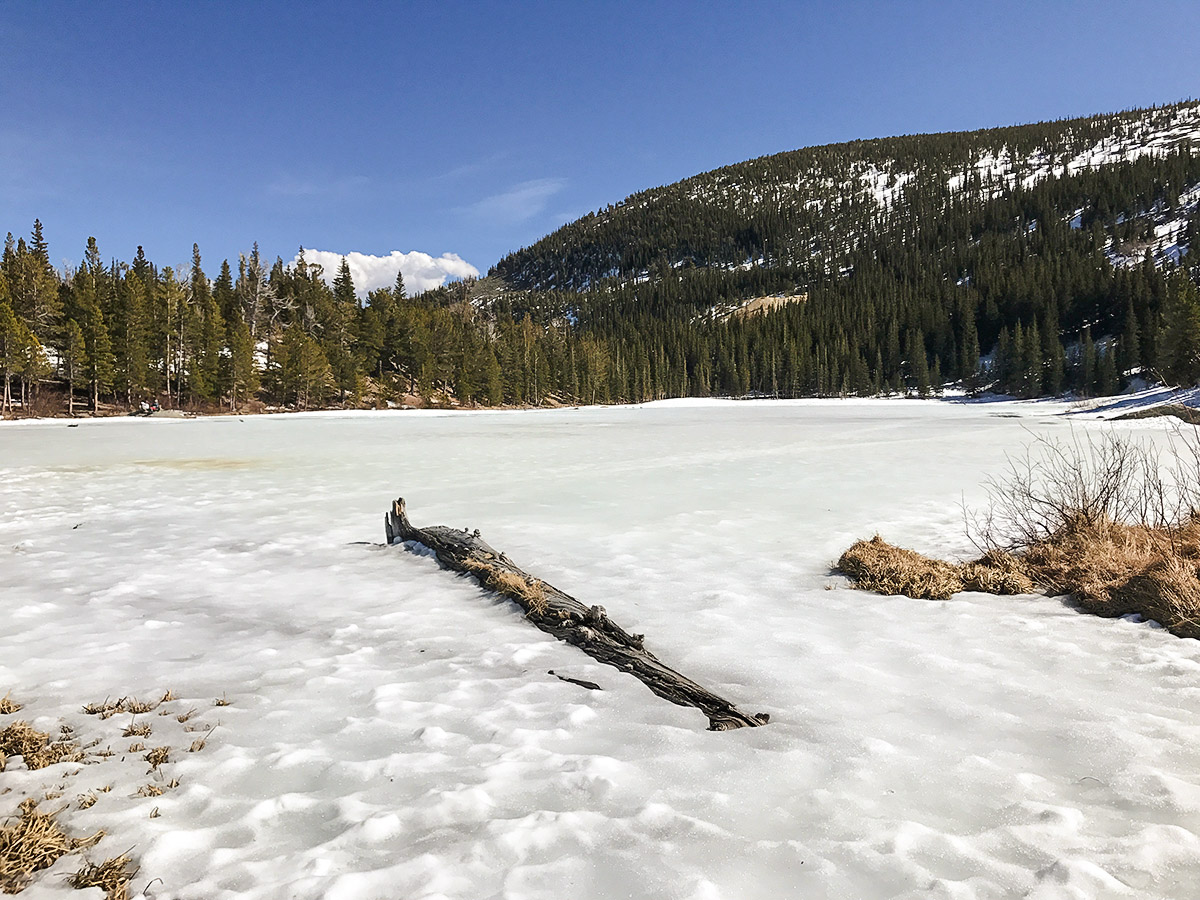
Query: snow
(1157, 135)
(884, 187)
(392, 731)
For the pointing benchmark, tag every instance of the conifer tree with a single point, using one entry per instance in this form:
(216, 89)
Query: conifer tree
(75, 359)
(1179, 358)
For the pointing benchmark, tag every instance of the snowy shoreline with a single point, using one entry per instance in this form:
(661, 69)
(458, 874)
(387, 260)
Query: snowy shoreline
(1118, 403)
(392, 729)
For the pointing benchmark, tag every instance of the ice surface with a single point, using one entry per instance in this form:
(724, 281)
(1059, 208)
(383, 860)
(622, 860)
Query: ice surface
(392, 731)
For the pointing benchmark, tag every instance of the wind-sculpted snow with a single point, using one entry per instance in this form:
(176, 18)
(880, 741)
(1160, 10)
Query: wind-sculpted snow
(392, 730)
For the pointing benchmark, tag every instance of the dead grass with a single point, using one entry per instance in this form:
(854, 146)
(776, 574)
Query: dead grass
(134, 729)
(158, 756)
(1113, 569)
(35, 747)
(996, 572)
(876, 565)
(1074, 545)
(109, 707)
(112, 876)
(33, 842)
(201, 742)
(8, 706)
(529, 593)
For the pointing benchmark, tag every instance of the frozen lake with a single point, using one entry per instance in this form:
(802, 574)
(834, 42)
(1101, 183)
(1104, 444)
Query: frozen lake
(393, 732)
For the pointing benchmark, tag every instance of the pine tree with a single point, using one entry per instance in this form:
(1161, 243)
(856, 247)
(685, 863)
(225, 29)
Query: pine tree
(75, 359)
(243, 376)
(203, 333)
(1179, 358)
(1129, 357)
(1088, 364)
(304, 370)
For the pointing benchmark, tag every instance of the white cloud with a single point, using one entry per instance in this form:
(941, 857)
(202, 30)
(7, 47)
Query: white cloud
(518, 203)
(421, 271)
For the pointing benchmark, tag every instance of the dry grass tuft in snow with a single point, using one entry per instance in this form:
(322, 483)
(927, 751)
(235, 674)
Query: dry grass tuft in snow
(112, 876)
(33, 842)
(530, 594)
(8, 706)
(135, 729)
(876, 565)
(110, 708)
(996, 572)
(1105, 522)
(1113, 569)
(35, 747)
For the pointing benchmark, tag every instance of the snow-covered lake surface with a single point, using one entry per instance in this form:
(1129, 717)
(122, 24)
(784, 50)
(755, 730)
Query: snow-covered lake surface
(393, 732)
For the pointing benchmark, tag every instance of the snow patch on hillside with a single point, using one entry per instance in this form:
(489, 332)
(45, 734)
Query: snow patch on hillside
(1149, 137)
(1168, 245)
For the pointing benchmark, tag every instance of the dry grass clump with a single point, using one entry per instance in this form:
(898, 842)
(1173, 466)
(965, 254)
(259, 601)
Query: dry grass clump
(201, 742)
(112, 876)
(876, 565)
(134, 729)
(1113, 569)
(8, 706)
(528, 592)
(22, 739)
(35, 841)
(996, 572)
(109, 708)
(158, 756)
(1108, 522)
(105, 709)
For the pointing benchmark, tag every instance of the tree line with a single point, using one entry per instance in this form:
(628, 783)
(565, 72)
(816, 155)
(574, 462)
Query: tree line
(986, 278)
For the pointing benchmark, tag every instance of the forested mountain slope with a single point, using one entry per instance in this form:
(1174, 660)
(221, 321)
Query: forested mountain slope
(914, 254)
(1033, 259)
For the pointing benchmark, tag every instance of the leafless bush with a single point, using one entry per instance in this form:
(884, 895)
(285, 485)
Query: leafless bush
(1087, 484)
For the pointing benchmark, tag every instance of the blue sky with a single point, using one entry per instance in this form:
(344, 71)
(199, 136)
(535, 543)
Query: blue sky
(476, 128)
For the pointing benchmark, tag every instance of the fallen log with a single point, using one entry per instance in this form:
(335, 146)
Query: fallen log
(561, 615)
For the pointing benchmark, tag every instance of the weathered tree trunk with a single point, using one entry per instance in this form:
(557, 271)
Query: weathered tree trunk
(561, 615)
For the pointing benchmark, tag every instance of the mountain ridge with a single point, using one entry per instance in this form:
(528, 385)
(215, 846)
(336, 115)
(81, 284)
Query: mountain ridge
(827, 178)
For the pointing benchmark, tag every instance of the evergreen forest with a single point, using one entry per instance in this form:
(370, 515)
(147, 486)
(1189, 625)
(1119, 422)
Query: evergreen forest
(1031, 260)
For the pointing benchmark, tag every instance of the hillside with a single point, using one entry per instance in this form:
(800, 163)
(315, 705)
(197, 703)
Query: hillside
(1032, 260)
(1024, 245)
(818, 205)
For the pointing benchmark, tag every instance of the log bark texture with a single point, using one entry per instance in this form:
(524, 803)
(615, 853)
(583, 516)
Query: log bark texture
(564, 617)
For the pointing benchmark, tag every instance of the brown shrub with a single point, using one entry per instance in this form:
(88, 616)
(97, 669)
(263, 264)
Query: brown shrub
(876, 565)
(1168, 592)
(8, 706)
(1105, 521)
